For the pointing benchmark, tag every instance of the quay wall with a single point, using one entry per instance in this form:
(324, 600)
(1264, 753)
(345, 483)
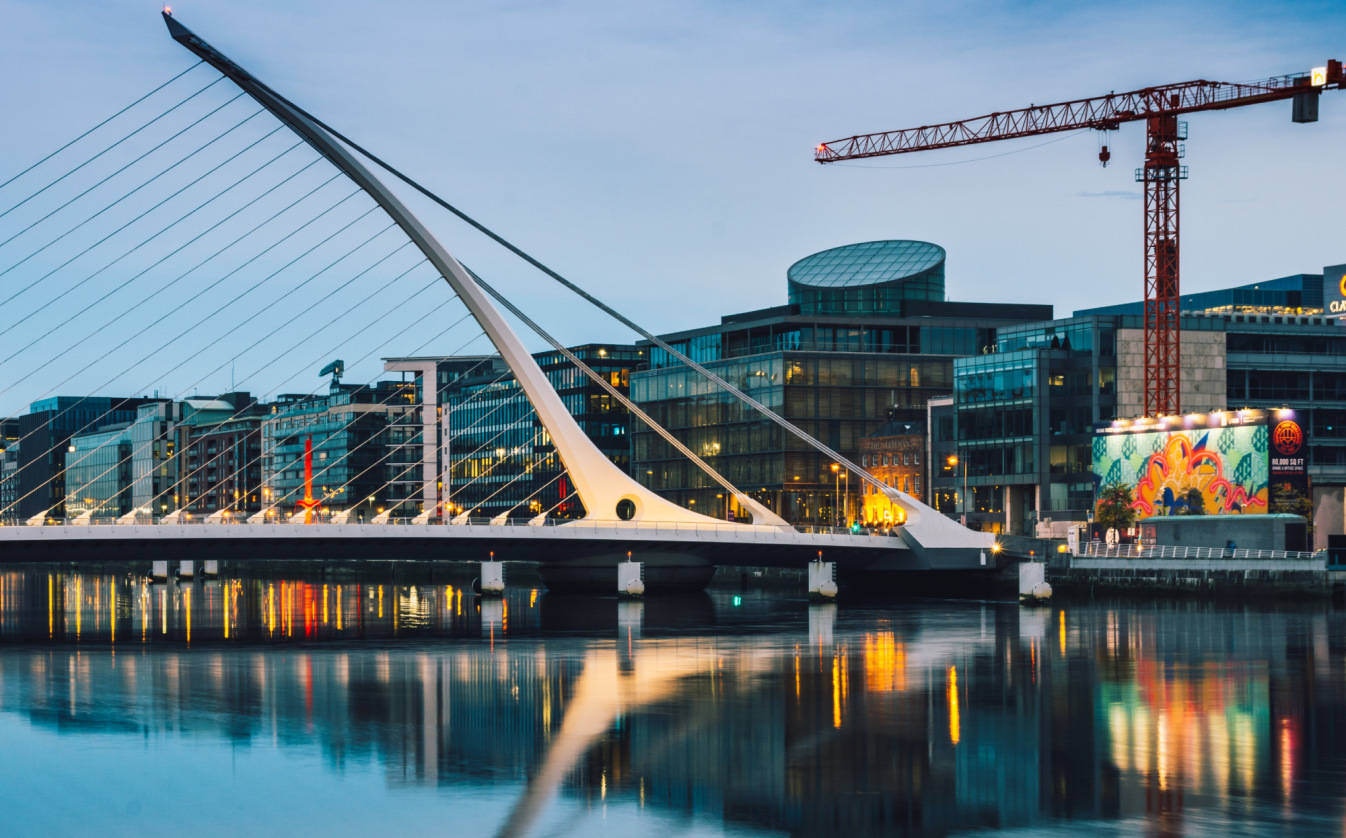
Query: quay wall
(1214, 577)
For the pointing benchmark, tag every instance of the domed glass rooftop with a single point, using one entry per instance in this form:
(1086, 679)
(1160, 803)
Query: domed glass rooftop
(867, 278)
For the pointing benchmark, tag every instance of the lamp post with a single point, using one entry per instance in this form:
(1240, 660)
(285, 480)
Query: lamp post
(953, 463)
(836, 492)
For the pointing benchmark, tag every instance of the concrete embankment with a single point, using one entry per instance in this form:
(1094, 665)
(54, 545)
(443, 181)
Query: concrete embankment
(1242, 577)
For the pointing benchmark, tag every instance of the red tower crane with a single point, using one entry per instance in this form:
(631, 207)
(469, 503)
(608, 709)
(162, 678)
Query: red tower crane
(1160, 108)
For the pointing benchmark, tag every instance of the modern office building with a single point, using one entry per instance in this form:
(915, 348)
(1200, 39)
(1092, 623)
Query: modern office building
(366, 445)
(1022, 419)
(9, 469)
(434, 378)
(500, 459)
(44, 443)
(866, 338)
(220, 466)
(98, 474)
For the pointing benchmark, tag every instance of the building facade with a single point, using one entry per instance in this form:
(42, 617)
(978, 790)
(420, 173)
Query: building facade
(98, 477)
(366, 447)
(896, 455)
(500, 460)
(44, 442)
(220, 441)
(867, 336)
(1022, 420)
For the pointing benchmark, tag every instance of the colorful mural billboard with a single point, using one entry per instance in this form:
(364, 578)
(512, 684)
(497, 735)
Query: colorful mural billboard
(1227, 468)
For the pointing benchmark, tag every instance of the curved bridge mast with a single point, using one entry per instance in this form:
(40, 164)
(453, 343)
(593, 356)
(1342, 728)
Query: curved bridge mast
(600, 484)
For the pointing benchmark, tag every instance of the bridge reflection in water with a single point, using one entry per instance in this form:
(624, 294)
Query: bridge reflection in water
(755, 713)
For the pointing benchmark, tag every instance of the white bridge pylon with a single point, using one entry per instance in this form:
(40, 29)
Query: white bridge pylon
(609, 495)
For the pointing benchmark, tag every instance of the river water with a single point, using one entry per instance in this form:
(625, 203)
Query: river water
(287, 704)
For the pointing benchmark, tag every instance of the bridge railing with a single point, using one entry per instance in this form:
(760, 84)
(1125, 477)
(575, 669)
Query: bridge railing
(1103, 550)
(655, 527)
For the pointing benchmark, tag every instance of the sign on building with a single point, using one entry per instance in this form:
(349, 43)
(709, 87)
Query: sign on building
(1249, 461)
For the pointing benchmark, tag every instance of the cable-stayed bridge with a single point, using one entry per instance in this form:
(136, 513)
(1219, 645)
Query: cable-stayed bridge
(230, 225)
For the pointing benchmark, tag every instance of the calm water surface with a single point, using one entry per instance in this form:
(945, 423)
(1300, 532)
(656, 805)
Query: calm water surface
(288, 705)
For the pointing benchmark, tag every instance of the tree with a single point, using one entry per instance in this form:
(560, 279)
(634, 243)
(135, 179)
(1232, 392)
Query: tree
(1114, 508)
(1195, 501)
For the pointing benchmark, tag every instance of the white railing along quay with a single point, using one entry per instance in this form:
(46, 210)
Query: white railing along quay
(198, 527)
(673, 527)
(1102, 550)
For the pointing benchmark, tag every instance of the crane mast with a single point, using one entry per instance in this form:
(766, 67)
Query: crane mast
(1161, 173)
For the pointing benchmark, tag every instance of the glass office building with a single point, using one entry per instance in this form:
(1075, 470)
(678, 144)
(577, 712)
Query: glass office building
(98, 479)
(44, 442)
(867, 338)
(867, 278)
(366, 444)
(1022, 419)
(1021, 424)
(500, 460)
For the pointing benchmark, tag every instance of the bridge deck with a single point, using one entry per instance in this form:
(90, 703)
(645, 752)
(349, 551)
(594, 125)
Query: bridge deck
(727, 545)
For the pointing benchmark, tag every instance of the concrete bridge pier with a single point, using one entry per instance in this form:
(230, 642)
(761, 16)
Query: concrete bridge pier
(492, 579)
(822, 581)
(159, 569)
(630, 579)
(186, 569)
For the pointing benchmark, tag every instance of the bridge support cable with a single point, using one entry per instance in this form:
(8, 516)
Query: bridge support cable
(349, 423)
(123, 168)
(294, 289)
(516, 478)
(157, 263)
(94, 423)
(127, 194)
(525, 472)
(122, 403)
(490, 442)
(760, 513)
(540, 489)
(314, 394)
(90, 131)
(199, 236)
(283, 327)
(137, 275)
(52, 242)
(105, 150)
(360, 445)
(413, 466)
(368, 386)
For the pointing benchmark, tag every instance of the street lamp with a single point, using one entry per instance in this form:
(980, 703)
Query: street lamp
(953, 463)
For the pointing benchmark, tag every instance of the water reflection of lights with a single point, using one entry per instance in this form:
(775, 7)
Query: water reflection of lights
(836, 691)
(1287, 758)
(1172, 711)
(951, 696)
(885, 663)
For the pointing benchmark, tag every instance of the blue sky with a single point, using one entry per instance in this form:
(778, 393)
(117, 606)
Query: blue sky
(659, 153)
